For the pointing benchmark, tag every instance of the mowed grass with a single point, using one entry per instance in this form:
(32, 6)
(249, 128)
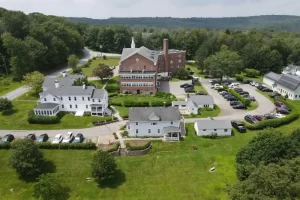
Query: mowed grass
(169, 171)
(17, 119)
(123, 111)
(110, 61)
(206, 113)
(253, 106)
(9, 86)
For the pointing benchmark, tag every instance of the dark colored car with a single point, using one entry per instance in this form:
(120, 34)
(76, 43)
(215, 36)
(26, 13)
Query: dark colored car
(7, 138)
(244, 92)
(260, 87)
(78, 138)
(30, 136)
(285, 108)
(186, 85)
(267, 90)
(189, 90)
(239, 126)
(43, 138)
(238, 89)
(232, 99)
(225, 93)
(282, 111)
(274, 95)
(200, 93)
(278, 103)
(259, 117)
(270, 116)
(228, 96)
(239, 106)
(247, 81)
(233, 103)
(250, 119)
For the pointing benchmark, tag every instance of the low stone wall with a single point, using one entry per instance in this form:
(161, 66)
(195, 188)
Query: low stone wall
(116, 153)
(104, 123)
(139, 152)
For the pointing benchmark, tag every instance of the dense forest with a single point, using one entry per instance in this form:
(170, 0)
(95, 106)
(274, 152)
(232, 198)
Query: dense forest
(272, 22)
(35, 42)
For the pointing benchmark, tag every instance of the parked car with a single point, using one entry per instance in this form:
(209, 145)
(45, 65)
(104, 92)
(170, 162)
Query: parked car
(200, 93)
(78, 138)
(186, 85)
(259, 117)
(274, 95)
(68, 138)
(260, 87)
(278, 115)
(250, 119)
(247, 81)
(57, 139)
(282, 111)
(223, 92)
(233, 103)
(238, 89)
(244, 92)
(270, 116)
(43, 138)
(278, 103)
(228, 96)
(239, 126)
(30, 136)
(189, 90)
(251, 98)
(239, 106)
(233, 85)
(285, 107)
(253, 83)
(232, 99)
(267, 90)
(216, 86)
(7, 138)
(257, 84)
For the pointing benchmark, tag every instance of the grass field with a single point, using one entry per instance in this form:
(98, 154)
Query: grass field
(7, 85)
(205, 113)
(110, 61)
(123, 111)
(17, 119)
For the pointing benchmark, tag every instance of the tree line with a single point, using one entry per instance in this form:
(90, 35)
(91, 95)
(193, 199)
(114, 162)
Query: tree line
(35, 42)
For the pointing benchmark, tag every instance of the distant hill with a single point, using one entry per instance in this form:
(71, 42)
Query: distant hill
(276, 22)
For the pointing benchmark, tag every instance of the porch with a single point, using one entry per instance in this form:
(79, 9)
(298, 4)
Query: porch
(97, 110)
(46, 109)
(171, 133)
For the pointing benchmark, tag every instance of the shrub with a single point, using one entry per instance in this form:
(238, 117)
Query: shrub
(115, 103)
(251, 72)
(5, 145)
(136, 148)
(103, 166)
(246, 102)
(104, 57)
(83, 146)
(116, 136)
(125, 134)
(112, 88)
(87, 114)
(38, 119)
(188, 68)
(113, 94)
(5, 104)
(239, 78)
(77, 70)
(165, 95)
(212, 136)
(115, 148)
(129, 103)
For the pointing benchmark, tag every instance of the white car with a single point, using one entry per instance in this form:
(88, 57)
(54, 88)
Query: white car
(68, 137)
(277, 115)
(217, 86)
(57, 139)
(252, 83)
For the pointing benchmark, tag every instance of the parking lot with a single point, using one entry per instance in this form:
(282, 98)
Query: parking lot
(174, 88)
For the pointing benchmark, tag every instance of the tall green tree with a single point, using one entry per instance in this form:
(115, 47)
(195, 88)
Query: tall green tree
(103, 71)
(73, 61)
(34, 80)
(103, 166)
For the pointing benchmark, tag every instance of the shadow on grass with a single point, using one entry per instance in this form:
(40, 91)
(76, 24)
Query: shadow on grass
(9, 112)
(47, 167)
(113, 183)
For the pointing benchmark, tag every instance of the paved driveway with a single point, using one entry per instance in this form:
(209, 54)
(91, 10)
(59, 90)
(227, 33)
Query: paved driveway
(174, 88)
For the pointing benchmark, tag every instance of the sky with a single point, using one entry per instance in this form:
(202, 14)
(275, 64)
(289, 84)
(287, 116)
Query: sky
(102, 9)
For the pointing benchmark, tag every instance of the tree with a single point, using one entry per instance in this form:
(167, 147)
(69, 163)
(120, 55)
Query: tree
(5, 104)
(103, 165)
(272, 181)
(50, 187)
(34, 80)
(73, 61)
(251, 72)
(183, 73)
(223, 63)
(26, 158)
(103, 71)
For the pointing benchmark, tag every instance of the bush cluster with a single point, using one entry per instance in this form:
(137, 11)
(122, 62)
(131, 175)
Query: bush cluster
(239, 78)
(276, 122)
(5, 145)
(112, 88)
(136, 148)
(115, 148)
(165, 95)
(115, 135)
(48, 145)
(38, 119)
(161, 103)
(130, 103)
(103, 121)
(246, 102)
(113, 94)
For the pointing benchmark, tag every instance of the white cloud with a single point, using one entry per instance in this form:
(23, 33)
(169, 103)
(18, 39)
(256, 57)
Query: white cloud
(153, 8)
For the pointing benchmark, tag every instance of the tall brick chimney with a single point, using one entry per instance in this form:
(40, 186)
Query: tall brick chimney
(166, 52)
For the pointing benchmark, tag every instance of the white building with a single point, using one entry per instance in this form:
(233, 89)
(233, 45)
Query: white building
(59, 95)
(292, 69)
(207, 127)
(284, 84)
(192, 104)
(155, 122)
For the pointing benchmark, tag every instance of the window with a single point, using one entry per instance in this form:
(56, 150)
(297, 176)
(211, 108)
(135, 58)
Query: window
(76, 106)
(61, 98)
(99, 100)
(153, 123)
(145, 67)
(93, 100)
(137, 131)
(70, 106)
(75, 98)
(225, 130)
(62, 106)
(89, 98)
(82, 98)
(54, 99)
(158, 130)
(215, 129)
(45, 99)
(171, 61)
(204, 129)
(296, 96)
(136, 123)
(177, 66)
(180, 60)
(149, 130)
(128, 127)
(87, 106)
(69, 98)
(171, 123)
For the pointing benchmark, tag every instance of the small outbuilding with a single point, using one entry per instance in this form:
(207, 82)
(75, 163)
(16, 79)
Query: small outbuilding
(209, 126)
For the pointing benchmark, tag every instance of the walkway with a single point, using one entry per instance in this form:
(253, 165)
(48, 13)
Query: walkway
(122, 144)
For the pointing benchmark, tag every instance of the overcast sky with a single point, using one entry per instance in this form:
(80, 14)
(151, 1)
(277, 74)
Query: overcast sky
(101, 9)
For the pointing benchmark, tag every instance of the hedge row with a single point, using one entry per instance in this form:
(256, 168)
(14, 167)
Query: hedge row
(276, 122)
(246, 102)
(104, 121)
(115, 148)
(112, 88)
(136, 148)
(5, 145)
(39, 119)
(130, 103)
(48, 145)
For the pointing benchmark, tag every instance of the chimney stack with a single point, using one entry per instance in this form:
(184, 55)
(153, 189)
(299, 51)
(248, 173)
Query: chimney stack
(84, 86)
(56, 84)
(166, 54)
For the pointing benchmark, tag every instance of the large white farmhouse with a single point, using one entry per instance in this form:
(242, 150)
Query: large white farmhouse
(59, 94)
(284, 84)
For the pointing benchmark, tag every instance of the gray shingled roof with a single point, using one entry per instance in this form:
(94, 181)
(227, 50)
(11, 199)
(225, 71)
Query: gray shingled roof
(289, 81)
(273, 76)
(164, 113)
(70, 91)
(202, 99)
(47, 106)
(213, 124)
(99, 93)
(49, 82)
(143, 51)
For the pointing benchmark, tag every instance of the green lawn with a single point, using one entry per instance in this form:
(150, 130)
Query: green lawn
(200, 88)
(98, 84)
(206, 113)
(7, 85)
(28, 96)
(17, 120)
(123, 111)
(257, 79)
(110, 61)
(252, 106)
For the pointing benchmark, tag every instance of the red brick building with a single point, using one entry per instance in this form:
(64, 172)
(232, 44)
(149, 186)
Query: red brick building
(139, 67)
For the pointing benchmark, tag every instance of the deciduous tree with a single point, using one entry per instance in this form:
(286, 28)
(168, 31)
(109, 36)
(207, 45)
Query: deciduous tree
(34, 80)
(5, 104)
(103, 165)
(103, 71)
(73, 61)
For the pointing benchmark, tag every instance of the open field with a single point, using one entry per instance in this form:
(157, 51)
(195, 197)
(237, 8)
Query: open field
(110, 61)
(7, 85)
